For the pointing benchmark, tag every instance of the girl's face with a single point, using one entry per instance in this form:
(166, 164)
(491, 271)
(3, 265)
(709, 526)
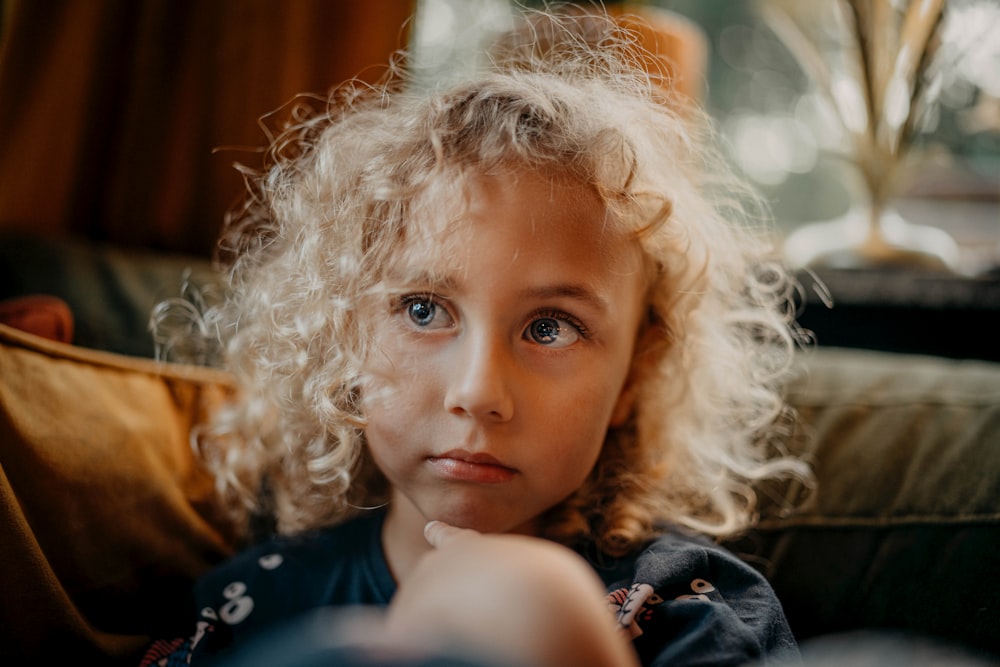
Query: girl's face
(501, 357)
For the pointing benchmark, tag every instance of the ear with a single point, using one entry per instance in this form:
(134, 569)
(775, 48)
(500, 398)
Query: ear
(649, 340)
(623, 406)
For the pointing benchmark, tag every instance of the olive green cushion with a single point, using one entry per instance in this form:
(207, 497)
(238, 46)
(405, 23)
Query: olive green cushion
(111, 291)
(903, 528)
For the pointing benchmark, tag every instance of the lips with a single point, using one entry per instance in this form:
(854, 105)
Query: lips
(460, 465)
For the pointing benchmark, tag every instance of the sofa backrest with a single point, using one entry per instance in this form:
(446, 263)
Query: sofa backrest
(902, 530)
(107, 518)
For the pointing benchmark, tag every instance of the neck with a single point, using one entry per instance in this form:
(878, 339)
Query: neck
(403, 537)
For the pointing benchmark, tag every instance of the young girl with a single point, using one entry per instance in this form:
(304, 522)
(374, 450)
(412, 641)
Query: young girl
(507, 348)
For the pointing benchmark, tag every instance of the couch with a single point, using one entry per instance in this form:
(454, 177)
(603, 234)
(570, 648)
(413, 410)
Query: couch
(107, 518)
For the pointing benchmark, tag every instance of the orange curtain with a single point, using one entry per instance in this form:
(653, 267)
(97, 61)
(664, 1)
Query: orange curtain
(112, 111)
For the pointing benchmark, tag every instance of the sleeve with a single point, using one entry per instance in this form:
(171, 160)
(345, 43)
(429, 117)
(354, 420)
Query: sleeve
(691, 603)
(180, 651)
(278, 582)
(232, 602)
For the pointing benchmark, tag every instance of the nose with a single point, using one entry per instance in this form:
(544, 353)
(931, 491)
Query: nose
(480, 384)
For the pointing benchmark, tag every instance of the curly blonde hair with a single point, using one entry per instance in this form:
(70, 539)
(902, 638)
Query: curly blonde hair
(328, 214)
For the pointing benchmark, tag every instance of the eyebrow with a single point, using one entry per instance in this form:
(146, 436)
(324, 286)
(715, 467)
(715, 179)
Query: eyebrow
(571, 291)
(424, 278)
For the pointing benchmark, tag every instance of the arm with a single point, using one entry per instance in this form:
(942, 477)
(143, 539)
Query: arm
(690, 602)
(519, 598)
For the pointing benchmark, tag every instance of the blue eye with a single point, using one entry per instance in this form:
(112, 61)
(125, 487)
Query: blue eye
(424, 312)
(421, 312)
(552, 332)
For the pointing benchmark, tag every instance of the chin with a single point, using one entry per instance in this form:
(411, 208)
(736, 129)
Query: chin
(487, 520)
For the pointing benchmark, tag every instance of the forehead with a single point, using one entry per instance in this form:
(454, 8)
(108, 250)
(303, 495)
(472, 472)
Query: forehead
(524, 213)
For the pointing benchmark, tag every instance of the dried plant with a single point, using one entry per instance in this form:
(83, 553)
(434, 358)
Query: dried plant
(877, 67)
(885, 85)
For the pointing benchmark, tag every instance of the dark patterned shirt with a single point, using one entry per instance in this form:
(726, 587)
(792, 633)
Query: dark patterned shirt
(683, 600)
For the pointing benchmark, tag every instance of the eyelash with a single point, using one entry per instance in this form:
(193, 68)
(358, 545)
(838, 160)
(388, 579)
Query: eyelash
(402, 301)
(402, 304)
(561, 315)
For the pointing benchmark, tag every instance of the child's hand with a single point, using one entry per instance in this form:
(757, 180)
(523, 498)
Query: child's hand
(439, 533)
(509, 597)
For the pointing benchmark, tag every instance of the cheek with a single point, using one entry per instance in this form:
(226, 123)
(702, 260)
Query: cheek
(382, 403)
(586, 419)
(596, 405)
(582, 419)
(389, 372)
(383, 414)
(392, 407)
(381, 406)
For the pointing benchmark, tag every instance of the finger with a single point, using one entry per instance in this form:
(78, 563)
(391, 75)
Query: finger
(439, 533)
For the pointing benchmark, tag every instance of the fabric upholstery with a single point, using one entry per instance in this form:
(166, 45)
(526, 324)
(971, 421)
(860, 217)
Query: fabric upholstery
(43, 315)
(105, 517)
(902, 529)
(110, 291)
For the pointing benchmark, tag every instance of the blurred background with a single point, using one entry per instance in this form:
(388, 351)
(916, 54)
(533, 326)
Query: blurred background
(780, 127)
(123, 115)
(121, 122)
